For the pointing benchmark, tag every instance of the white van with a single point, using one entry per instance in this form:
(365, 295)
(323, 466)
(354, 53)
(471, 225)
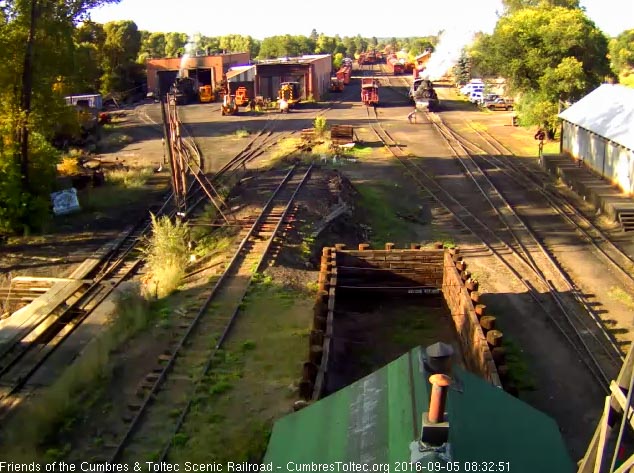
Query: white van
(472, 87)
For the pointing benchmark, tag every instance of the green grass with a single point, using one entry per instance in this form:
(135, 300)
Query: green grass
(214, 242)
(376, 202)
(242, 133)
(519, 372)
(253, 381)
(122, 188)
(360, 152)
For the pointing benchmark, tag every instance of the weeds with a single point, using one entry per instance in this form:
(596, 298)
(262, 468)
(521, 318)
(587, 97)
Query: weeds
(519, 372)
(242, 133)
(167, 257)
(320, 125)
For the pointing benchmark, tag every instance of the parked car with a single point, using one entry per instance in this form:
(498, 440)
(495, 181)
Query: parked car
(490, 98)
(500, 104)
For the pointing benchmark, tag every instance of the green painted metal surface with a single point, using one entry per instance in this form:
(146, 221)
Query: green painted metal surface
(374, 420)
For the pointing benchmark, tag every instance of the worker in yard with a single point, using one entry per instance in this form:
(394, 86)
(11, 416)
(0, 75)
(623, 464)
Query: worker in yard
(283, 105)
(412, 116)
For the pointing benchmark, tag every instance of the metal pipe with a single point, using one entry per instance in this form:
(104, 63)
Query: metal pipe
(439, 383)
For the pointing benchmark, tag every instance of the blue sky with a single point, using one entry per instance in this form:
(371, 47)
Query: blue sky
(344, 17)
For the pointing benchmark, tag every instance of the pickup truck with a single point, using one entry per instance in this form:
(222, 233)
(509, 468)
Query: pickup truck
(499, 104)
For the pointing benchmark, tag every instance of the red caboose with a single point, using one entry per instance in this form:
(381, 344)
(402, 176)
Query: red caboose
(369, 91)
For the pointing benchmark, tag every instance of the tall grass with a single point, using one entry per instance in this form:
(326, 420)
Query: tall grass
(167, 257)
(129, 178)
(320, 125)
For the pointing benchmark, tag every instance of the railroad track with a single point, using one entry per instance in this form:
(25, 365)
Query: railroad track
(72, 301)
(515, 247)
(171, 386)
(529, 179)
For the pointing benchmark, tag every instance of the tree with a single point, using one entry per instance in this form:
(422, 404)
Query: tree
(36, 39)
(512, 6)
(153, 44)
(175, 44)
(120, 51)
(622, 53)
(547, 55)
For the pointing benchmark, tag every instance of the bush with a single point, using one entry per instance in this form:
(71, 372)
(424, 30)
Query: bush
(22, 210)
(69, 166)
(167, 257)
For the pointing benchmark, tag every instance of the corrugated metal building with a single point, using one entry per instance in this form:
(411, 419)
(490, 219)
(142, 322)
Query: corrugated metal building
(599, 129)
(207, 70)
(378, 419)
(312, 72)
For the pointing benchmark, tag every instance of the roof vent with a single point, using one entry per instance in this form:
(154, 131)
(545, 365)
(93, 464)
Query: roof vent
(437, 358)
(435, 429)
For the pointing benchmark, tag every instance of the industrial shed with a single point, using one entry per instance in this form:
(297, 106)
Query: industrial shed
(207, 70)
(312, 72)
(599, 129)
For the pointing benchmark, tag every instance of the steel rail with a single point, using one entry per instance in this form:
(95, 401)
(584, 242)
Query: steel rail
(460, 216)
(528, 179)
(611, 351)
(223, 337)
(200, 313)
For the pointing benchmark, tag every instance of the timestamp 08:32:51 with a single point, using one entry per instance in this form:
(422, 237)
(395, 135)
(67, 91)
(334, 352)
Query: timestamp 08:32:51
(462, 466)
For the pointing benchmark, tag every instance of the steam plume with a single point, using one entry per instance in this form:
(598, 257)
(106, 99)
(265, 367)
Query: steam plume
(447, 52)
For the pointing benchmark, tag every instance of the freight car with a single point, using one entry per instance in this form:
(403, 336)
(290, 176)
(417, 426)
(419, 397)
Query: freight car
(370, 91)
(424, 95)
(394, 65)
(344, 74)
(336, 85)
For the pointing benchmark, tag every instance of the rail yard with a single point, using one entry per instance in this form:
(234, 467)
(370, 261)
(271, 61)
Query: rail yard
(224, 359)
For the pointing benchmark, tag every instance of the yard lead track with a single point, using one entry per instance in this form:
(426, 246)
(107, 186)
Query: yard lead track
(171, 386)
(589, 340)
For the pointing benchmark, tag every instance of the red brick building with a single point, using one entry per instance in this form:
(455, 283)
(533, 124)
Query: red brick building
(207, 70)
